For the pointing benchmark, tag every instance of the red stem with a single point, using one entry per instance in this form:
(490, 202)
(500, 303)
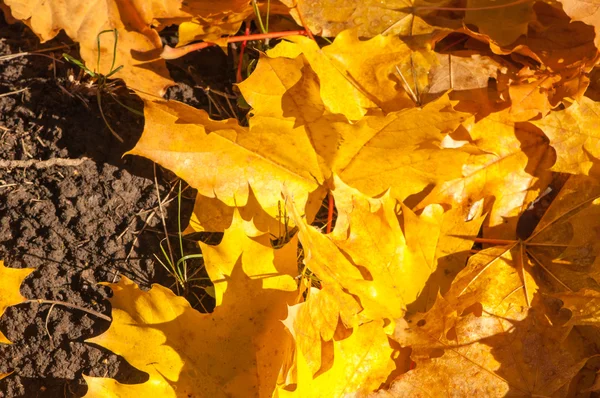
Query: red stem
(330, 208)
(241, 60)
(173, 53)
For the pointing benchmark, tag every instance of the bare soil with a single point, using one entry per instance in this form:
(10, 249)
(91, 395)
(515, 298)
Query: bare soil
(79, 223)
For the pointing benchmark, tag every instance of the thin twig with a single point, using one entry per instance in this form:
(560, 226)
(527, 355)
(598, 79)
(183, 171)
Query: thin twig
(69, 305)
(41, 164)
(14, 92)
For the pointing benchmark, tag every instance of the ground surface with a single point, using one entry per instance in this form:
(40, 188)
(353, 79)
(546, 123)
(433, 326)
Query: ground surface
(77, 224)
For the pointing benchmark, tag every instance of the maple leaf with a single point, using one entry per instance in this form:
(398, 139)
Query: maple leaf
(9, 293)
(293, 142)
(504, 21)
(489, 355)
(464, 70)
(561, 255)
(213, 20)
(357, 76)
(360, 363)
(138, 45)
(372, 17)
(371, 257)
(507, 346)
(573, 133)
(584, 11)
(9, 289)
(510, 163)
(235, 351)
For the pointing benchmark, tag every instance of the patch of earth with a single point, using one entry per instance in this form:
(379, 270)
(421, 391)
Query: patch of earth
(77, 225)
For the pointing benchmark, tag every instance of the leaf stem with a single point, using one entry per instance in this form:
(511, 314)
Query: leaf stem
(69, 305)
(174, 53)
(494, 241)
(431, 8)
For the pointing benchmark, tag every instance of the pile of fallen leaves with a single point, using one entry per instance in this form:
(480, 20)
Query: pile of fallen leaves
(438, 129)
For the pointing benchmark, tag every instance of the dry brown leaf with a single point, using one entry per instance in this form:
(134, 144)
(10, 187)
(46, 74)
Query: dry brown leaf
(462, 72)
(586, 12)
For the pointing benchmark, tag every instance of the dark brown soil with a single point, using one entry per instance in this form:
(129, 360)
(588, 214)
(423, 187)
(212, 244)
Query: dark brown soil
(76, 225)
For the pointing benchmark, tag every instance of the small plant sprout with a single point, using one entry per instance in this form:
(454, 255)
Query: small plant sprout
(100, 83)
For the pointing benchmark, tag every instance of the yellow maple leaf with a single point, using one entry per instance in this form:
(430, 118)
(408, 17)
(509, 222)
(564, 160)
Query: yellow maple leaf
(360, 364)
(213, 20)
(372, 17)
(561, 255)
(491, 335)
(510, 163)
(9, 289)
(573, 133)
(502, 20)
(368, 254)
(139, 45)
(488, 355)
(9, 293)
(357, 76)
(293, 142)
(235, 351)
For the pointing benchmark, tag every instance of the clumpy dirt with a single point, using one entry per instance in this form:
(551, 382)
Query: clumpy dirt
(79, 224)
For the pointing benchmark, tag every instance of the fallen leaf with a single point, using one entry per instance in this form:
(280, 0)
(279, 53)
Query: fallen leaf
(573, 133)
(10, 295)
(213, 21)
(361, 363)
(138, 46)
(235, 351)
(504, 21)
(372, 17)
(584, 11)
(462, 72)
(509, 163)
(293, 142)
(584, 306)
(489, 355)
(370, 256)
(357, 76)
